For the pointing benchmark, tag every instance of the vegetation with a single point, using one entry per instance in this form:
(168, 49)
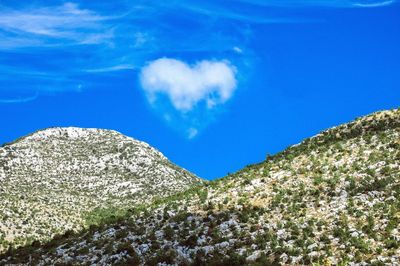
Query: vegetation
(334, 199)
(62, 179)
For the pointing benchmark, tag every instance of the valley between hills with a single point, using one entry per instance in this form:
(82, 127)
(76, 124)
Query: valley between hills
(73, 196)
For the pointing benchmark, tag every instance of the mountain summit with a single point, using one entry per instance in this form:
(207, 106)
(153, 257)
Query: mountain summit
(52, 179)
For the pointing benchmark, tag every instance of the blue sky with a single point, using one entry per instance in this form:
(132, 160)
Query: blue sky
(215, 85)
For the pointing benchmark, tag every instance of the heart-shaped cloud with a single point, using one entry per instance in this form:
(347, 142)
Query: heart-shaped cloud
(185, 86)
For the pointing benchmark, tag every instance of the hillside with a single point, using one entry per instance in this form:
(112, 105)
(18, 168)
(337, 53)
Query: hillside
(330, 200)
(60, 179)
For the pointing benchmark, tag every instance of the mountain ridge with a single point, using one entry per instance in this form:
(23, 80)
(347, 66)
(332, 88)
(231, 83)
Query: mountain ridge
(333, 199)
(75, 171)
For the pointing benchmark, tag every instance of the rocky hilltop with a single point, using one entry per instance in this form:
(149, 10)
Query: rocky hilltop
(61, 179)
(333, 199)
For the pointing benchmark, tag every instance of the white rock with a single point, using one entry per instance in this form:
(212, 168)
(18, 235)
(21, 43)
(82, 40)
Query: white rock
(254, 256)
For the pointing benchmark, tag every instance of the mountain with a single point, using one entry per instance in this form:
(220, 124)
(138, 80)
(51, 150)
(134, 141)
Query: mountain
(333, 199)
(61, 179)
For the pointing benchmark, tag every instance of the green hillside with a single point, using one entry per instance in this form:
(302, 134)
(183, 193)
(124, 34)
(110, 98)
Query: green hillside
(333, 199)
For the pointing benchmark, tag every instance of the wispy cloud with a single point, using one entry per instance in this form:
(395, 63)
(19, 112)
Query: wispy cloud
(70, 24)
(51, 47)
(320, 3)
(64, 46)
(51, 26)
(112, 68)
(219, 10)
(19, 99)
(374, 3)
(74, 40)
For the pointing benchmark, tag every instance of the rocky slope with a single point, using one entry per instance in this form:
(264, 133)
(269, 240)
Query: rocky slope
(62, 179)
(333, 199)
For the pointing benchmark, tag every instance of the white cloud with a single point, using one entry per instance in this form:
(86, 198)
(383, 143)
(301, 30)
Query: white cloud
(20, 99)
(210, 81)
(39, 26)
(192, 132)
(375, 4)
(322, 3)
(112, 68)
(237, 50)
